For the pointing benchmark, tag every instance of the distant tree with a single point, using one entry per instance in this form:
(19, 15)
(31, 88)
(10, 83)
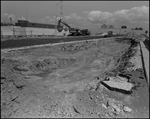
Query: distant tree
(110, 26)
(123, 27)
(146, 32)
(136, 28)
(140, 28)
(104, 26)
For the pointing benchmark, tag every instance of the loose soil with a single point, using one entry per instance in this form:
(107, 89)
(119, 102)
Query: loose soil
(65, 81)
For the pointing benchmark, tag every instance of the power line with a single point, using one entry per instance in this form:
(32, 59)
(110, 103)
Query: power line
(61, 12)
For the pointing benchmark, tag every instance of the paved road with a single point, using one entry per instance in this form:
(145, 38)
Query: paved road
(39, 41)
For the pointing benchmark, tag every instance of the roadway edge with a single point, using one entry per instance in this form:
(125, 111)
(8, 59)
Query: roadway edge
(145, 60)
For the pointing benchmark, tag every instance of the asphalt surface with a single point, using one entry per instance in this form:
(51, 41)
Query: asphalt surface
(38, 41)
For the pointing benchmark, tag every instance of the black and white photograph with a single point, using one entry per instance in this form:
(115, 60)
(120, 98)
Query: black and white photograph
(74, 59)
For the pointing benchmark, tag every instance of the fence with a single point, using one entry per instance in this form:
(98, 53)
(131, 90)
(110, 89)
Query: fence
(10, 32)
(17, 33)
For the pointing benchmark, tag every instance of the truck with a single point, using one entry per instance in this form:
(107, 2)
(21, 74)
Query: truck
(110, 33)
(107, 34)
(72, 31)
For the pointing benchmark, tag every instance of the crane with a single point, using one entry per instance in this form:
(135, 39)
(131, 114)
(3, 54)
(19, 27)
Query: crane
(72, 31)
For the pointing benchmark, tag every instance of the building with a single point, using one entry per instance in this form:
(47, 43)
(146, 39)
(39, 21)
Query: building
(23, 27)
(5, 24)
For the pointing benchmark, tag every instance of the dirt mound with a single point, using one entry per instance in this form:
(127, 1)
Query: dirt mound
(135, 36)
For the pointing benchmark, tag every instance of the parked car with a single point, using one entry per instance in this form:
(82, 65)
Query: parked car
(110, 33)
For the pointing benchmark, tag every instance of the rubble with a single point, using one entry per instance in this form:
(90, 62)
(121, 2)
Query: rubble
(127, 109)
(94, 84)
(117, 109)
(116, 105)
(134, 36)
(135, 61)
(27, 77)
(119, 83)
(103, 105)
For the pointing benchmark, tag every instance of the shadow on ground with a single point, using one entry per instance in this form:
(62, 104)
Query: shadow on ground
(146, 42)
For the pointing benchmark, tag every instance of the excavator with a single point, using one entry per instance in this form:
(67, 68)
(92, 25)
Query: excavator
(72, 31)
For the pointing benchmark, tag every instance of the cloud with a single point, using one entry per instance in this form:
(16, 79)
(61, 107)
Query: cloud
(6, 17)
(133, 15)
(73, 16)
(5, 14)
(75, 20)
(99, 16)
(46, 19)
(85, 12)
(22, 18)
(67, 17)
(121, 16)
(139, 14)
(124, 16)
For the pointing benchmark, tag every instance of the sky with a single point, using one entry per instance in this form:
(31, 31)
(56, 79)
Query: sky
(81, 14)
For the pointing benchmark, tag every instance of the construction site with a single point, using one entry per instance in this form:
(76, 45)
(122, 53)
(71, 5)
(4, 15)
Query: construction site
(76, 75)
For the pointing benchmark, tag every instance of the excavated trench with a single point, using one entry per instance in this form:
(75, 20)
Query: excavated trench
(65, 81)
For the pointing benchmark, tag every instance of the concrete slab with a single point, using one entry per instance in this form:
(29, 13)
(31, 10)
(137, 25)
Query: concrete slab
(145, 57)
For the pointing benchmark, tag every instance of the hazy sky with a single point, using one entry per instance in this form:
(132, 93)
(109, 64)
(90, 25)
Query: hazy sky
(86, 14)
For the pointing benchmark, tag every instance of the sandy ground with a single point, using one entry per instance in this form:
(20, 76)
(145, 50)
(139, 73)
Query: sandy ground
(65, 81)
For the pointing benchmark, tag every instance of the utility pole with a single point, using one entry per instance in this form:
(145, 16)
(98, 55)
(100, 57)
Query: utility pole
(11, 24)
(61, 12)
(55, 21)
(10, 20)
(56, 18)
(120, 31)
(26, 11)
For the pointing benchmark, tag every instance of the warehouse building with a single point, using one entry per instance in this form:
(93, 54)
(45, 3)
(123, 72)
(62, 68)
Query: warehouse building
(23, 27)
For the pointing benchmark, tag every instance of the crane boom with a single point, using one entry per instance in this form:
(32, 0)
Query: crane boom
(73, 31)
(60, 21)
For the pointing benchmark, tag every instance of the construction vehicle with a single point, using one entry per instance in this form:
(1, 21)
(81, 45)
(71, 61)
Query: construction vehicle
(107, 34)
(72, 31)
(110, 33)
